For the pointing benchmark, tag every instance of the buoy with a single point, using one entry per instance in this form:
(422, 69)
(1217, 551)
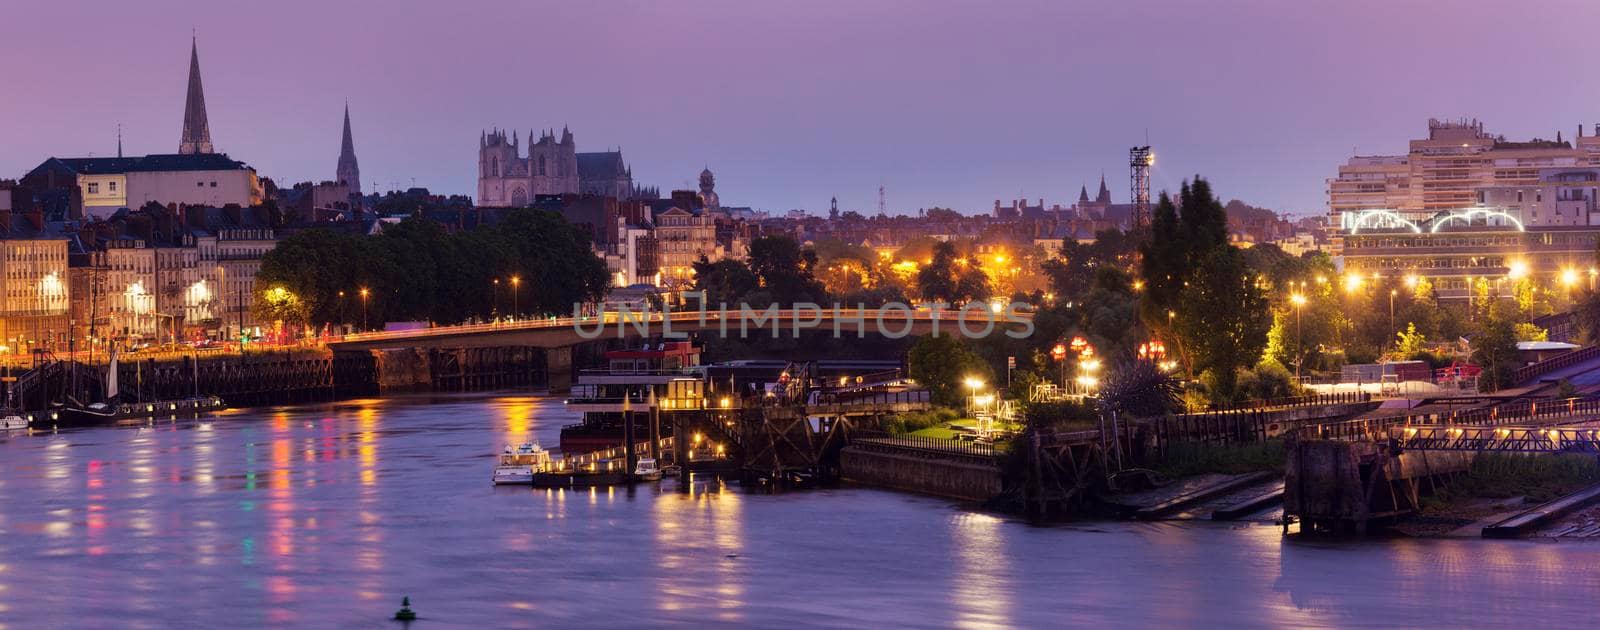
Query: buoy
(405, 613)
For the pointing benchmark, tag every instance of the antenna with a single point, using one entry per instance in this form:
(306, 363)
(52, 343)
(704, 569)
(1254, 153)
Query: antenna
(1139, 161)
(881, 204)
(119, 139)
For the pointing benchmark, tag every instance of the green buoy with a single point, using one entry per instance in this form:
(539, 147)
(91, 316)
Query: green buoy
(405, 613)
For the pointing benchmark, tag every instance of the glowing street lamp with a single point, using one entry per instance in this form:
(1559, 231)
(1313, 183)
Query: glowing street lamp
(1352, 282)
(365, 323)
(1569, 278)
(516, 283)
(1299, 302)
(973, 383)
(1517, 270)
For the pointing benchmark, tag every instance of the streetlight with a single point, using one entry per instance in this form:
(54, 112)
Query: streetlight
(974, 384)
(1392, 330)
(1299, 302)
(1059, 353)
(1352, 282)
(365, 325)
(516, 283)
(497, 296)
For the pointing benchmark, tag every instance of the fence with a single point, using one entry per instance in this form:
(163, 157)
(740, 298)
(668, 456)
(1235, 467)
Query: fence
(1311, 400)
(920, 445)
(1517, 412)
(1244, 425)
(1529, 372)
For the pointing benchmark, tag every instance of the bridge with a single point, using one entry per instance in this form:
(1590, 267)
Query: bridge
(560, 332)
(1501, 439)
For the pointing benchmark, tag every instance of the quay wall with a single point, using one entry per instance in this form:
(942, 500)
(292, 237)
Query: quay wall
(956, 478)
(301, 375)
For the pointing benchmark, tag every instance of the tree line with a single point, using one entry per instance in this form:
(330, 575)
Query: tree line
(532, 261)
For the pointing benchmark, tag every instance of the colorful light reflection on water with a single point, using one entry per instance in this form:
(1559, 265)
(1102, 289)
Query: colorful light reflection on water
(327, 515)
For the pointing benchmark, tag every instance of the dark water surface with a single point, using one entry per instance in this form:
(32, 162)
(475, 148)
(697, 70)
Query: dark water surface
(326, 516)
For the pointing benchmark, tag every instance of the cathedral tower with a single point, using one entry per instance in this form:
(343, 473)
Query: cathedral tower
(348, 172)
(196, 131)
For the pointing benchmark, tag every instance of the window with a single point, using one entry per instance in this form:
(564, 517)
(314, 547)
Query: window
(94, 188)
(113, 186)
(199, 184)
(213, 184)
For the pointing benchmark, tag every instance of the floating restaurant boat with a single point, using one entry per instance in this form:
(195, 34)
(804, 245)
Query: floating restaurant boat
(13, 421)
(622, 392)
(518, 465)
(601, 473)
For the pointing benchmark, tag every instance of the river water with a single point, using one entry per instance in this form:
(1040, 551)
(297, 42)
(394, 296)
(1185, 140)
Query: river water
(326, 515)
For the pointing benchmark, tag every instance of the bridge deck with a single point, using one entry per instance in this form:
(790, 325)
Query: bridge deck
(1501, 439)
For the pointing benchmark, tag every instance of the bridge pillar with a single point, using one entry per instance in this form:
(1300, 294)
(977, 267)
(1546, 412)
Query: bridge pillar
(558, 369)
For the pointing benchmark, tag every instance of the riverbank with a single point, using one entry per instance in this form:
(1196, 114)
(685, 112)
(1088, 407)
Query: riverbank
(327, 514)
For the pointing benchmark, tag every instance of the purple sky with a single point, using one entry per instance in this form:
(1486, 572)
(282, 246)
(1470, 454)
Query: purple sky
(948, 104)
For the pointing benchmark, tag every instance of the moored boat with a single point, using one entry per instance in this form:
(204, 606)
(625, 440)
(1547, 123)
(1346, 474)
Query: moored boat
(647, 470)
(518, 465)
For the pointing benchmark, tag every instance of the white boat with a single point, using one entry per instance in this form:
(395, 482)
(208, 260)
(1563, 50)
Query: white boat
(13, 422)
(647, 470)
(518, 464)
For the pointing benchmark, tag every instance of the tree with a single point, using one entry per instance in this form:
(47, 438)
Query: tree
(1224, 320)
(1409, 343)
(785, 269)
(1586, 318)
(724, 281)
(942, 364)
(971, 283)
(1494, 349)
(1527, 331)
(937, 279)
(415, 270)
(1183, 236)
(278, 304)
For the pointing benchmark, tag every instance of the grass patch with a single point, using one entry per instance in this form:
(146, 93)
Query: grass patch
(914, 421)
(1186, 459)
(942, 432)
(1539, 478)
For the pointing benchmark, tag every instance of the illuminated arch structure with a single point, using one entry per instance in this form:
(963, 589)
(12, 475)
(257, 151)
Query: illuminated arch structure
(1466, 216)
(1385, 219)
(1378, 219)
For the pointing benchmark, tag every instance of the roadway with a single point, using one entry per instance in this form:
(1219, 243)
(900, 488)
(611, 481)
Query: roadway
(567, 331)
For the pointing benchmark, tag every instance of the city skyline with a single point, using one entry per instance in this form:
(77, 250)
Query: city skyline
(823, 107)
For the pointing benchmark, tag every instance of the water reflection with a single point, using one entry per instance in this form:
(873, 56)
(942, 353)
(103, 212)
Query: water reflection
(326, 515)
(699, 532)
(982, 582)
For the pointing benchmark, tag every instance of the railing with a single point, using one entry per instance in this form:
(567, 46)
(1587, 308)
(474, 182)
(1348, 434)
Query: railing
(1529, 372)
(920, 445)
(1504, 414)
(639, 448)
(1520, 439)
(1310, 400)
(904, 397)
(784, 317)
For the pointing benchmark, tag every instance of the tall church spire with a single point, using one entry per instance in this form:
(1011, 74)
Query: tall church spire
(196, 132)
(348, 173)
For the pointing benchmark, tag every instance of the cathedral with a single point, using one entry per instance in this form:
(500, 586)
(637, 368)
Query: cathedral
(507, 178)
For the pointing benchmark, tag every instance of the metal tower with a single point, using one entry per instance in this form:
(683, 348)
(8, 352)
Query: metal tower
(1139, 161)
(881, 206)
